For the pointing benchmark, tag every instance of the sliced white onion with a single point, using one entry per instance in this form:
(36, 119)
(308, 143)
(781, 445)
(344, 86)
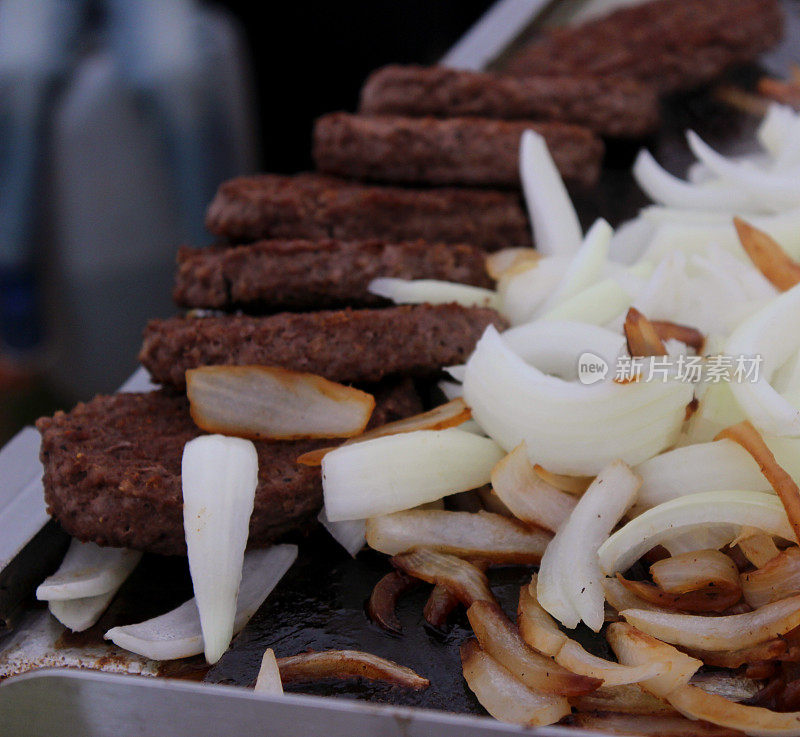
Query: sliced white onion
(398, 472)
(432, 291)
(689, 514)
(772, 334)
(80, 614)
(350, 534)
(697, 468)
(570, 580)
(599, 304)
(523, 292)
(569, 428)
(630, 240)
(717, 410)
(556, 228)
(177, 634)
(775, 127)
(88, 571)
(586, 266)
(274, 403)
(268, 680)
(219, 476)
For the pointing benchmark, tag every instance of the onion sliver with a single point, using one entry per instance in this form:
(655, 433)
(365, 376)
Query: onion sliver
(503, 696)
(635, 648)
(452, 413)
(731, 632)
(575, 485)
(88, 571)
(692, 469)
(219, 476)
(500, 639)
(621, 598)
(556, 228)
(710, 599)
(268, 680)
(398, 472)
(536, 626)
(689, 514)
(177, 634)
(529, 498)
(571, 428)
(787, 490)
(756, 721)
(570, 579)
(764, 651)
(522, 291)
(694, 571)
(776, 580)
(767, 255)
(265, 402)
(383, 600)
(348, 664)
(598, 304)
(642, 336)
(772, 333)
(80, 614)
(462, 579)
(481, 535)
(432, 291)
(758, 548)
(626, 699)
(502, 262)
(351, 534)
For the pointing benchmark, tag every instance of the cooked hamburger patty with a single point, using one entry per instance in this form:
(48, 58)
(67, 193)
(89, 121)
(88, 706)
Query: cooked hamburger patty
(304, 275)
(469, 151)
(314, 206)
(342, 345)
(112, 470)
(669, 44)
(617, 108)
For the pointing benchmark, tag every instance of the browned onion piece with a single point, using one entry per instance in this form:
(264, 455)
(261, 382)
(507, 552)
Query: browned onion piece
(571, 484)
(383, 600)
(484, 535)
(620, 597)
(501, 639)
(536, 625)
(503, 696)
(462, 579)
(626, 699)
(315, 666)
(683, 333)
(451, 414)
(271, 403)
(708, 599)
(510, 261)
(529, 498)
(642, 337)
(750, 439)
(696, 571)
(767, 256)
(777, 579)
(770, 650)
(441, 602)
(662, 725)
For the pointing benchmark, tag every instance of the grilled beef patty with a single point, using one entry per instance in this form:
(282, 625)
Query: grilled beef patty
(112, 470)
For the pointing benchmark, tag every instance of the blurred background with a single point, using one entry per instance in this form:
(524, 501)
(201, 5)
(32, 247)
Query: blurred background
(119, 118)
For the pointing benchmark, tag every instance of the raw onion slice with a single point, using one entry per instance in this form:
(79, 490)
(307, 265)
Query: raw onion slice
(767, 255)
(541, 632)
(556, 228)
(731, 632)
(777, 579)
(598, 304)
(529, 498)
(271, 403)
(717, 409)
(314, 666)
(756, 721)
(503, 696)
(268, 680)
(703, 569)
(772, 333)
(619, 700)
(88, 571)
(499, 638)
(351, 534)
(787, 490)
(692, 469)
(80, 614)
(642, 337)
(508, 260)
(571, 428)
(451, 414)
(689, 514)
(636, 648)
(177, 634)
(432, 291)
(523, 290)
(383, 600)
(219, 476)
(570, 581)
(482, 535)
(646, 725)
(466, 582)
(398, 472)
